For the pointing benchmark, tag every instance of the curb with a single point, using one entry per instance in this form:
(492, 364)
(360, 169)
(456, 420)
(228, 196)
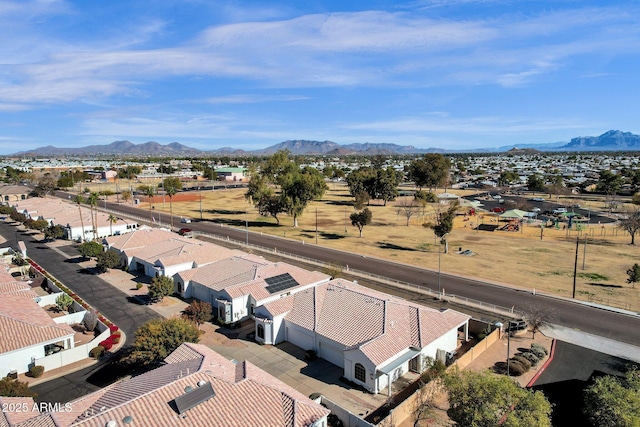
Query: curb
(544, 365)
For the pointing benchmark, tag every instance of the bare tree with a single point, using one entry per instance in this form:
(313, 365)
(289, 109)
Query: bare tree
(408, 208)
(537, 316)
(630, 221)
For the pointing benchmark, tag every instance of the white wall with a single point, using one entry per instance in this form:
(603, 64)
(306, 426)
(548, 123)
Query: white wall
(351, 357)
(170, 270)
(19, 360)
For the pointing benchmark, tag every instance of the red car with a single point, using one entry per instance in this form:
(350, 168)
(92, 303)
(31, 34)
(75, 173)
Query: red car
(497, 210)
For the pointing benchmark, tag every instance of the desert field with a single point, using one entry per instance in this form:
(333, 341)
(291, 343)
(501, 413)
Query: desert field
(518, 259)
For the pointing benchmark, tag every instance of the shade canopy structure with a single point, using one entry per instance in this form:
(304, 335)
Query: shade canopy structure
(514, 214)
(470, 203)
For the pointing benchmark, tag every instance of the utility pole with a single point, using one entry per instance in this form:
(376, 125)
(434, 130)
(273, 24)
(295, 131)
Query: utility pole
(316, 226)
(584, 253)
(200, 194)
(575, 268)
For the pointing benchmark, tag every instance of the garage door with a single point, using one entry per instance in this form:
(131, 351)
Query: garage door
(300, 338)
(331, 354)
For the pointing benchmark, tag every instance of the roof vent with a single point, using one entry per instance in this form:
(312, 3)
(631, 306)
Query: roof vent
(188, 388)
(201, 383)
(128, 419)
(111, 423)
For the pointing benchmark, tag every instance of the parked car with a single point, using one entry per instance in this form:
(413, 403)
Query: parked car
(559, 210)
(536, 209)
(185, 221)
(498, 210)
(537, 199)
(184, 231)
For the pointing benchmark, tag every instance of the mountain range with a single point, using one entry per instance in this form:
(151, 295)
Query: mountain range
(613, 140)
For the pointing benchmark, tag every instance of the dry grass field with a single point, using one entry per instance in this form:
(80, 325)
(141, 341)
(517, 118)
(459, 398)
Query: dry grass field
(519, 259)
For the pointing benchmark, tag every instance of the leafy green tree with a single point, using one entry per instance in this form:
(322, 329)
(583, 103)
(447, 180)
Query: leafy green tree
(107, 260)
(483, 399)
(90, 249)
(443, 221)
(15, 388)
(360, 219)
(609, 183)
(634, 275)
(535, 182)
(12, 175)
(171, 186)
(63, 302)
(160, 287)
(614, 402)
(508, 178)
(156, 339)
(198, 312)
(148, 191)
(281, 186)
(431, 171)
(54, 232)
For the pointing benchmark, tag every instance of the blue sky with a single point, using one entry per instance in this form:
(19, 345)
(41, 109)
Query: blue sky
(453, 74)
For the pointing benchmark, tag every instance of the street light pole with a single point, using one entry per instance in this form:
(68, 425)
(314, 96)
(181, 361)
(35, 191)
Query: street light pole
(246, 225)
(200, 193)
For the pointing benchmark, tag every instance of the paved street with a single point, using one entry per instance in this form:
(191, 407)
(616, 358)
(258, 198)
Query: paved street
(108, 300)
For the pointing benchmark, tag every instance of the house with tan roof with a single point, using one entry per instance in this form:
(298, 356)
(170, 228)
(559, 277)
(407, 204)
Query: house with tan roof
(157, 252)
(195, 387)
(373, 336)
(13, 193)
(76, 220)
(235, 286)
(27, 331)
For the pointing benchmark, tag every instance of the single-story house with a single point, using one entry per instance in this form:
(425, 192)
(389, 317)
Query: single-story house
(194, 387)
(14, 193)
(373, 336)
(235, 286)
(158, 252)
(27, 331)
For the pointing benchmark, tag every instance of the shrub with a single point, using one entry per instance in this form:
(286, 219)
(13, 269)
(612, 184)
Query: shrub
(138, 286)
(116, 334)
(538, 352)
(314, 396)
(515, 368)
(115, 339)
(96, 352)
(113, 328)
(539, 347)
(107, 344)
(531, 357)
(522, 360)
(36, 371)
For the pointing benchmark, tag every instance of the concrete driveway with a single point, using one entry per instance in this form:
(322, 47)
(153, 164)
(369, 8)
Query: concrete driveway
(286, 362)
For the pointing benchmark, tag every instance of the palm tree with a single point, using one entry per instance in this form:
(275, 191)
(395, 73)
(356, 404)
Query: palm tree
(112, 220)
(80, 200)
(171, 186)
(92, 201)
(149, 193)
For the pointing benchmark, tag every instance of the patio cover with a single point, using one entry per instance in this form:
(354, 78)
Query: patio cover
(391, 366)
(514, 214)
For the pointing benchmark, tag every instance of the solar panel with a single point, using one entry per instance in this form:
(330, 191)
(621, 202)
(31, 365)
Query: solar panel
(280, 283)
(193, 398)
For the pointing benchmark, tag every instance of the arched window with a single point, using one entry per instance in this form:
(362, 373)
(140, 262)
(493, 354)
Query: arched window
(360, 372)
(260, 331)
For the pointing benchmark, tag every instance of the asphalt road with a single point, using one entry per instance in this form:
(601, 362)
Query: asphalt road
(567, 376)
(105, 298)
(566, 312)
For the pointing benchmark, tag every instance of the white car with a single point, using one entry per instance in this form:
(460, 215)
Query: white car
(538, 199)
(560, 210)
(535, 210)
(497, 196)
(185, 221)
